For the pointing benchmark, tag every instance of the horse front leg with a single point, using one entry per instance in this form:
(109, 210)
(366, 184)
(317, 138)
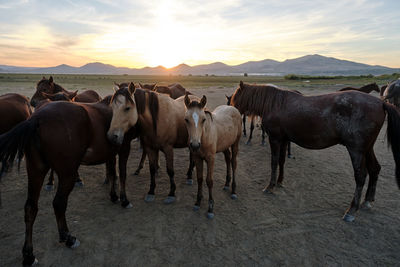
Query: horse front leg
(111, 176)
(209, 180)
(251, 131)
(189, 173)
(152, 155)
(169, 155)
(123, 156)
(282, 157)
(199, 170)
(360, 173)
(275, 151)
(244, 125)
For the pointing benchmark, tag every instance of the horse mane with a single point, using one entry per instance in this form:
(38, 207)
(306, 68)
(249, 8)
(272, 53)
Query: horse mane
(106, 100)
(259, 99)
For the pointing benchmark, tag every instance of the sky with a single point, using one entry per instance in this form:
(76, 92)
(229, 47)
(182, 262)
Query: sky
(43, 33)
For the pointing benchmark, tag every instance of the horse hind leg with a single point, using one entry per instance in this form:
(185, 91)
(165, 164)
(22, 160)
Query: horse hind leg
(36, 173)
(153, 163)
(360, 173)
(373, 168)
(65, 185)
(275, 151)
(244, 125)
(141, 164)
(227, 155)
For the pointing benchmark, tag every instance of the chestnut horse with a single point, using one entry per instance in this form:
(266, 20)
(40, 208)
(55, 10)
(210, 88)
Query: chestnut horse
(210, 133)
(350, 118)
(50, 87)
(365, 89)
(161, 124)
(61, 136)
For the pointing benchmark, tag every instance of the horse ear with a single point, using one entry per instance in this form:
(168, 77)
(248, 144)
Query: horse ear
(43, 78)
(51, 79)
(153, 87)
(203, 101)
(141, 86)
(187, 100)
(132, 88)
(227, 97)
(241, 84)
(115, 83)
(116, 88)
(73, 95)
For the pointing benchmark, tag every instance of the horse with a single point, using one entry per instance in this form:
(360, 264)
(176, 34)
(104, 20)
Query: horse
(61, 136)
(350, 118)
(150, 87)
(392, 93)
(161, 123)
(50, 87)
(365, 89)
(174, 90)
(210, 133)
(60, 96)
(252, 117)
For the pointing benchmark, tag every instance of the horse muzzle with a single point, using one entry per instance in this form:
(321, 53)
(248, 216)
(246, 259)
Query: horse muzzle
(115, 137)
(194, 146)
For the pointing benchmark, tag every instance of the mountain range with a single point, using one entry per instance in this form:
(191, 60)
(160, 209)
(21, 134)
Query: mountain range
(306, 65)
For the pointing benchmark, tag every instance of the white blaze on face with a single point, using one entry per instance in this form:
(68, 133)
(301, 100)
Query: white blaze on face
(195, 118)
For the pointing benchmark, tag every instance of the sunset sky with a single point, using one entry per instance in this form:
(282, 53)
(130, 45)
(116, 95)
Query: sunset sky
(149, 33)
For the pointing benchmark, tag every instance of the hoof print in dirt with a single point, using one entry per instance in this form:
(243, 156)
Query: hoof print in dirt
(169, 200)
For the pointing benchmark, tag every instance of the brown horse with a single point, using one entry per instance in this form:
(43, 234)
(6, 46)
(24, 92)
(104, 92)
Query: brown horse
(60, 96)
(210, 133)
(50, 87)
(351, 118)
(365, 89)
(150, 87)
(61, 136)
(392, 93)
(161, 123)
(174, 90)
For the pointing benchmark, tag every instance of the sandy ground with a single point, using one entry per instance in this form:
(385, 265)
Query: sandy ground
(299, 225)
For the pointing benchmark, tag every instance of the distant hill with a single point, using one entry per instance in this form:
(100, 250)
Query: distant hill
(306, 65)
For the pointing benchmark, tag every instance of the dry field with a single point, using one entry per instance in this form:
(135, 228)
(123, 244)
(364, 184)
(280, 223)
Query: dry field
(299, 225)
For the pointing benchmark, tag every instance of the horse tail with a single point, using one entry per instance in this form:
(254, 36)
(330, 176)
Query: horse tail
(393, 135)
(14, 142)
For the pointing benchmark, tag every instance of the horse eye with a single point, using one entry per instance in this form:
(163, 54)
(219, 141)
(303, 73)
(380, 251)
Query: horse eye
(204, 120)
(127, 109)
(187, 121)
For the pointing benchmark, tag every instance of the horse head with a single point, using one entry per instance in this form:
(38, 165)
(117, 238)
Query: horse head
(125, 114)
(195, 118)
(43, 86)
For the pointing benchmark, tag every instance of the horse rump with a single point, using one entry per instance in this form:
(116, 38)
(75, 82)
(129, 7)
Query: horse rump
(393, 135)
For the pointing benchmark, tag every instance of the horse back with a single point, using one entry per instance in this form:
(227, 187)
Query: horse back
(228, 124)
(88, 96)
(14, 108)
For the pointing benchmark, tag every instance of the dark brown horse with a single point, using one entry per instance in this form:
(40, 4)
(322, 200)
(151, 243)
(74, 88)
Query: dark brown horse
(61, 136)
(150, 87)
(351, 118)
(161, 126)
(392, 93)
(174, 90)
(365, 89)
(50, 87)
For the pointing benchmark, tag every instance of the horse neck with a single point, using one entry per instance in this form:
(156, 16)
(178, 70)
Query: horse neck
(58, 88)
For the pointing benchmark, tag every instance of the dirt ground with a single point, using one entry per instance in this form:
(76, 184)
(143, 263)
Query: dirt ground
(301, 224)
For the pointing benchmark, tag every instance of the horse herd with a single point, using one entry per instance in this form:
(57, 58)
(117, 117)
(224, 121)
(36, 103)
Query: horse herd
(68, 129)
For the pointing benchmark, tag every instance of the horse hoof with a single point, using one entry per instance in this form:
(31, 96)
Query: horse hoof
(79, 184)
(234, 196)
(226, 187)
(366, 205)
(105, 182)
(348, 217)
(263, 144)
(248, 143)
(169, 200)
(76, 244)
(210, 215)
(49, 187)
(268, 191)
(128, 206)
(196, 208)
(34, 263)
(280, 185)
(149, 198)
(189, 181)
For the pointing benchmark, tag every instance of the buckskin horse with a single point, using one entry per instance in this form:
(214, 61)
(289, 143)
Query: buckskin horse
(350, 118)
(210, 133)
(61, 136)
(162, 127)
(50, 87)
